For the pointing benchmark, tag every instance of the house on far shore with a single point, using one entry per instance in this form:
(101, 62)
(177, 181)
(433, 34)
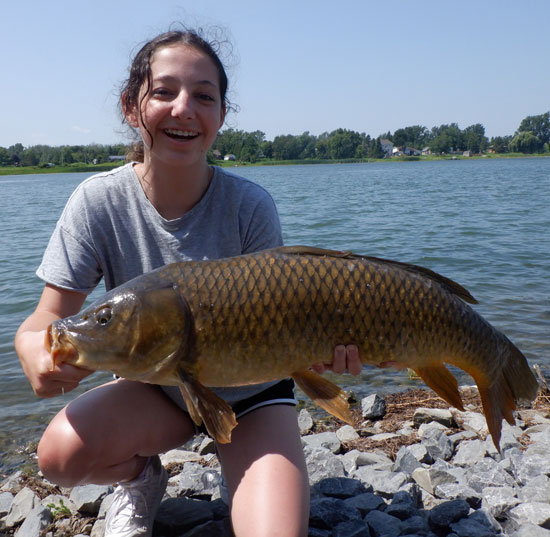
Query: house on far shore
(426, 151)
(387, 146)
(467, 153)
(217, 154)
(115, 158)
(229, 156)
(491, 149)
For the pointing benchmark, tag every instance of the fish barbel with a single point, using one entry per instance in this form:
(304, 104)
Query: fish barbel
(273, 314)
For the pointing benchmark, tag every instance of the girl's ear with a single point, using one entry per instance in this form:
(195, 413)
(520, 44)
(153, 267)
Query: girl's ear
(129, 111)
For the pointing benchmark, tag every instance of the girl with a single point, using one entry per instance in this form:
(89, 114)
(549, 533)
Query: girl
(167, 205)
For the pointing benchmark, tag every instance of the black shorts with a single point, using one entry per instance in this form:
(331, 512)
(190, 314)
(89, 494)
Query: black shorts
(281, 393)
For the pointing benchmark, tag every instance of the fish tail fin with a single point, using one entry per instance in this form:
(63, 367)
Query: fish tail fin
(499, 392)
(324, 394)
(442, 382)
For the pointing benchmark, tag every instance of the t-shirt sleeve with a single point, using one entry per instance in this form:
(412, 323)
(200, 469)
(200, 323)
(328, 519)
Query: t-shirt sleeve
(263, 230)
(70, 261)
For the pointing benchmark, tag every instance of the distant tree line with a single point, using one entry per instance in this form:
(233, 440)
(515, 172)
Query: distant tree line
(532, 136)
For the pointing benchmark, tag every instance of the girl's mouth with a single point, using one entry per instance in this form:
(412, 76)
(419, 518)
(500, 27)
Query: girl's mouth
(181, 135)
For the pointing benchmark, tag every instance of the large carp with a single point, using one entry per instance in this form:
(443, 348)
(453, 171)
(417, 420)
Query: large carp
(273, 314)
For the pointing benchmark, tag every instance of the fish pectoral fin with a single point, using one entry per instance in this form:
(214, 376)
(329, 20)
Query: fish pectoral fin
(324, 394)
(442, 382)
(206, 407)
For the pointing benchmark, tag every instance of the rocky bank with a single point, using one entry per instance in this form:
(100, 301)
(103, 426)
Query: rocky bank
(411, 466)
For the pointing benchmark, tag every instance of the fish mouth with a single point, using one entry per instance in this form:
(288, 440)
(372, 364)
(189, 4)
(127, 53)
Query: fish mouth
(60, 348)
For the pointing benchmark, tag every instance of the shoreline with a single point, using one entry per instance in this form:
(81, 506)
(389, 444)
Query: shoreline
(96, 168)
(411, 465)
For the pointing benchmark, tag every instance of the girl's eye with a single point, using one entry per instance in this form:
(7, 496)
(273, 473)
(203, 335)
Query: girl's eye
(161, 92)
(206, 97)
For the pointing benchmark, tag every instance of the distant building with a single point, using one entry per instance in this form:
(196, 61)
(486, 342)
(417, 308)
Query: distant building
(387, 146)
(426, 151)
(467, 153)
(217, 154)
(115, 158)
(229, 156)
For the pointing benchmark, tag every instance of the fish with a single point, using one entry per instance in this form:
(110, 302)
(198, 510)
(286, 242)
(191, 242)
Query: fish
(273, 314)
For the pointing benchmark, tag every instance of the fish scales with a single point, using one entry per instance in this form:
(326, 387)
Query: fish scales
(273, 314)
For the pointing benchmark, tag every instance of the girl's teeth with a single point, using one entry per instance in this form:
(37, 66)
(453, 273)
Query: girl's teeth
(183, 134)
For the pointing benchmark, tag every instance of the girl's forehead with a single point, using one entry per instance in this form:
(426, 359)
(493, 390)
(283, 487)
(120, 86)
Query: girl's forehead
(181, 55)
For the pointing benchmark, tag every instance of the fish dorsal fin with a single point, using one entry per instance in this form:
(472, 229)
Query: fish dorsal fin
(452, 286)
(324, 394)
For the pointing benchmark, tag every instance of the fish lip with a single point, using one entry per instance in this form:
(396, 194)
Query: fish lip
(59, 346)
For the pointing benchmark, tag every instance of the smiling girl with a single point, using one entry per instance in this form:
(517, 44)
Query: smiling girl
(167, 205)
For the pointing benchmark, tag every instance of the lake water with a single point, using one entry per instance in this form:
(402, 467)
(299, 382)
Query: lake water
(484, 223)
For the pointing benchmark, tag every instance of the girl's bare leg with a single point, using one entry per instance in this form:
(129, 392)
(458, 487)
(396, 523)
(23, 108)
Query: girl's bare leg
(266, 474)
(105, 435)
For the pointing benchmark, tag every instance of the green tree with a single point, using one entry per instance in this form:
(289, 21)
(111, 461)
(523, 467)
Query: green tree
(537, 125)
(5, 157)
(500, 143)
(414, 136)
(375, 149)
(526, 142)
(475, 139)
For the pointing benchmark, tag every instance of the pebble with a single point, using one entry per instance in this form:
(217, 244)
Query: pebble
(446, 483)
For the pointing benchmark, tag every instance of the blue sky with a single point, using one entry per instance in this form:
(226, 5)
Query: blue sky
(370, 66)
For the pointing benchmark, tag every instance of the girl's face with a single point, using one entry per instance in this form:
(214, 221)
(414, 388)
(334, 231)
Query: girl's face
(183, 110)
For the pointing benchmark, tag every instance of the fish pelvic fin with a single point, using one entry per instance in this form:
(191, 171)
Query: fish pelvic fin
(442, 382)
(324, 394)
(206, 407)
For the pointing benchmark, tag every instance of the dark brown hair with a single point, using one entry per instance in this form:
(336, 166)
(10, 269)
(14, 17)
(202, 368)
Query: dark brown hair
(140, 74)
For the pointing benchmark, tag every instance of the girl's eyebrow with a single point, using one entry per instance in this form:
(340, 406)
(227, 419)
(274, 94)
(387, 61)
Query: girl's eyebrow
(169, 78)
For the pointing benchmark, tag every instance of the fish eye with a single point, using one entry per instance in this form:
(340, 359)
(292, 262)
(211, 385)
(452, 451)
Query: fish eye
(103, 316)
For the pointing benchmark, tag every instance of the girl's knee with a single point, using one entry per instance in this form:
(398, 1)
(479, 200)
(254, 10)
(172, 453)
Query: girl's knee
(63, 456)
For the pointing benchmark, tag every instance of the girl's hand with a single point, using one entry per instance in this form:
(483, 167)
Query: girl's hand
(346, 358)
(37, 366)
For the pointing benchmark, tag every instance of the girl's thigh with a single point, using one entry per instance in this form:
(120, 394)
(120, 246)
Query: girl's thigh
(109, 432)
(266, 474)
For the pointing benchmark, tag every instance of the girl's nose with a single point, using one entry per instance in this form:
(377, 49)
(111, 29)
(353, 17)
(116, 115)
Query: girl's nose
(182, 105)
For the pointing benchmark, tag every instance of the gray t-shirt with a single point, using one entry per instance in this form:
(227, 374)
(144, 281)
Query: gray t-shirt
(110, 229)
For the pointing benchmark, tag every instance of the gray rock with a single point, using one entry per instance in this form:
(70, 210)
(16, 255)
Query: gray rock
(341, 487)
(429, 478)
(327, 440)
(383, 482)
(212, 528)
(428, 415)
(487, 473)
(207, 447)
(530, 530)
(437, 444)
(455, 491)
(527, 467)
(469, 452)
(321, 464)
(23, 503)
(499, 500)
(6, 499)
(305, 421)
(402, 510)
(179, 456)
(35, 522)
(194, 481)
(382, 524)
(373, 407)
(87, 498)
(12, 483)
(352, 528)
(367, 502)
(405, 461)
(536, 489)
(326, 513)
(445, 514)
(416, 525)
(471, 421)
(177, 515)
(537, 513)
(471, 528)
(376, 459)
(421, 453)
(347, 434)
